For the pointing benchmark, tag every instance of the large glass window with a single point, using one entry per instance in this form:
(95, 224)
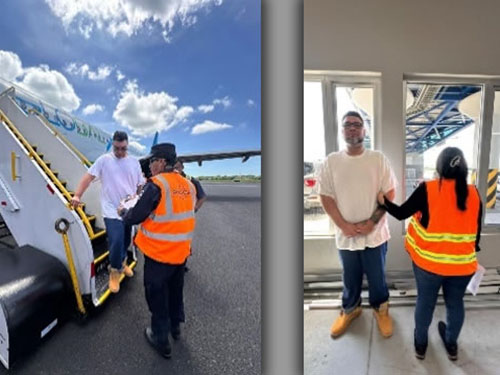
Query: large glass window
(439, 116)
(315, 219)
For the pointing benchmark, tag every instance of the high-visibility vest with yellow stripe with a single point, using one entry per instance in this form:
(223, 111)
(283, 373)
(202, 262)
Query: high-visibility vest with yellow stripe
(447, 246)
(166, 234)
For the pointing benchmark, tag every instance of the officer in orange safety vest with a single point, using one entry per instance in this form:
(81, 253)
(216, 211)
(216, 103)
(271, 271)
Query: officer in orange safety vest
(442, 240)
(166, 213)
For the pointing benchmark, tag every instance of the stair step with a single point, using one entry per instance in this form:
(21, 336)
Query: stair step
(98, 234)
(102, 281)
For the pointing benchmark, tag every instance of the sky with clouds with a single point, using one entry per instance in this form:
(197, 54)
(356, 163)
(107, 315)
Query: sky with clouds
(189, 69)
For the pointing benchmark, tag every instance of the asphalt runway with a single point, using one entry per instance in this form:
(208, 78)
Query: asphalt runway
(222, 294)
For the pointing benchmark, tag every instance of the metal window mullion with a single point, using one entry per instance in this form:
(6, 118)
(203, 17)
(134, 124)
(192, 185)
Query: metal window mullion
(329, 115)
(486, 125)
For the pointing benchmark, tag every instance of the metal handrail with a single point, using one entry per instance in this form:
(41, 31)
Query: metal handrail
(48, 171)
(82, 157)
(72, 270)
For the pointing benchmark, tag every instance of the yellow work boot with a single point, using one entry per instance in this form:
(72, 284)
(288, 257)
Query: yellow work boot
(342, 322)
(114, 280)
(384, 321)
(127, 270)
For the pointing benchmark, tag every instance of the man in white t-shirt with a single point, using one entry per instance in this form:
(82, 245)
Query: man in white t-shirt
(349, 182)
(120, 176)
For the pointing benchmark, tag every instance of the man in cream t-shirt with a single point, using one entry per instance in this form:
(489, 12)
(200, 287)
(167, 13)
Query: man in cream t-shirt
(349, 182)
(120, 176)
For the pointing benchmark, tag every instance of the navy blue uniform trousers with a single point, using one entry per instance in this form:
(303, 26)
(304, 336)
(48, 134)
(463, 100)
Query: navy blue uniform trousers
(164, 284)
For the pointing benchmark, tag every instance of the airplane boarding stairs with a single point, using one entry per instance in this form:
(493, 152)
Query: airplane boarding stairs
(39, 170)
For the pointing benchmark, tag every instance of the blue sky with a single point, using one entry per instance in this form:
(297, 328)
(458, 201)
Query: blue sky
(187, 68)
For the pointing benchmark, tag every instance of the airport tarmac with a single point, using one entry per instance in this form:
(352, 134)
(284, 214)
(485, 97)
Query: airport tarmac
(222, 333)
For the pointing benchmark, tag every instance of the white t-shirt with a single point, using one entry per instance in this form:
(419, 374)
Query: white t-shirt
(354, 182)
(119, 178)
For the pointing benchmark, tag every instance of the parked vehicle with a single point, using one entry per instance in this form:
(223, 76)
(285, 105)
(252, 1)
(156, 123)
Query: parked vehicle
(311, 196)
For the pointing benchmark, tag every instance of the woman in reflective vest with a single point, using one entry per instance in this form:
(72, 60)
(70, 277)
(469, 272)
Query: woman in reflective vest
(442, 239)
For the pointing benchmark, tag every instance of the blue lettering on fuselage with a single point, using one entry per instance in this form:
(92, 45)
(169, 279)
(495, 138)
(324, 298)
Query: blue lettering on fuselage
(61, 119)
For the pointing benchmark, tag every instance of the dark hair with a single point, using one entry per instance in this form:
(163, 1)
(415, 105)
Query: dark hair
(354, 114)
(120, 136)
(451, 164)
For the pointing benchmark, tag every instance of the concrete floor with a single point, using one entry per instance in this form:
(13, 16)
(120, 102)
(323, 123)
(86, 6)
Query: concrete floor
(362, 350)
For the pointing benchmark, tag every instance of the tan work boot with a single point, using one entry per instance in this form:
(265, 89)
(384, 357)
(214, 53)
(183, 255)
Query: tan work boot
(114, 280)
(342, 322)
(384, 321)
(127, 270)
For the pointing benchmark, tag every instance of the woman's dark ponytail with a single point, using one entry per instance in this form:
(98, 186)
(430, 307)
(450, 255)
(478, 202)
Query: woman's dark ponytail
(451, 164)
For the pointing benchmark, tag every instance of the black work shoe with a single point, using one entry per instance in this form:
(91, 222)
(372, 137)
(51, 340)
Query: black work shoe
(164, 350)
(176, 331)
(419, 349)
(451, 349)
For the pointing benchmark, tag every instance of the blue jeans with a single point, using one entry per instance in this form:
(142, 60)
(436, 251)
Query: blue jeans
(428, 285)
(119, 236)
(370, 261)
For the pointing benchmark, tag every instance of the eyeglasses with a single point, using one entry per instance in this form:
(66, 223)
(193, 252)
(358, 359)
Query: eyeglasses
(117, 148)
(356, 125)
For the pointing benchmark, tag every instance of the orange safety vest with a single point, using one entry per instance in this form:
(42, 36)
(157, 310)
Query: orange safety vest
(447, 246)
(166, 234)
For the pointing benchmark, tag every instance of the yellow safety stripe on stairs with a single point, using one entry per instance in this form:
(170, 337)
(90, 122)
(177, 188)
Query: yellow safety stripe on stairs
(106, 294)
(34, 155)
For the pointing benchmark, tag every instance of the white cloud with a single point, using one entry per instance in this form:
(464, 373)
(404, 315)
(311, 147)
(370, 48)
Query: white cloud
(10, 65)
(250, 103)
(92, 108)
(119, 75)
(103, 71)
(138, 147)
(225, 101)
(206, 108)
(128, 16)
(144, 114)
(209, 126)
(74, 69)
(52, 86)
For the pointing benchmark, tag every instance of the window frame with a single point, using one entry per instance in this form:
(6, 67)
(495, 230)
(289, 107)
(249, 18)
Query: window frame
(484, 131)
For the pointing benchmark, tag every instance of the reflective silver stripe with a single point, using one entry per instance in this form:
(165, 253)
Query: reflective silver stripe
(170, 215)
(168, 237)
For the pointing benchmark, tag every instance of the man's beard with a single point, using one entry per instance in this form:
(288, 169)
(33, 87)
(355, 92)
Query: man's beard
(354, 141)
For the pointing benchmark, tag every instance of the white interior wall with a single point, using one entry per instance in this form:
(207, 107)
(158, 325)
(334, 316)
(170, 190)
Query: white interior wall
(394, 38)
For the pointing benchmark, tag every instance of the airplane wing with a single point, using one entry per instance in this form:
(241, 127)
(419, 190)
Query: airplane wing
(200, 158)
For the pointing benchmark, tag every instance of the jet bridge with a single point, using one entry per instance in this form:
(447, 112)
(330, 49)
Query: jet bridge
(39, 171)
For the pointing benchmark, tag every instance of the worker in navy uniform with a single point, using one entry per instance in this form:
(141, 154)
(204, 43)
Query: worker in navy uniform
(201, 196)
(166, 213)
